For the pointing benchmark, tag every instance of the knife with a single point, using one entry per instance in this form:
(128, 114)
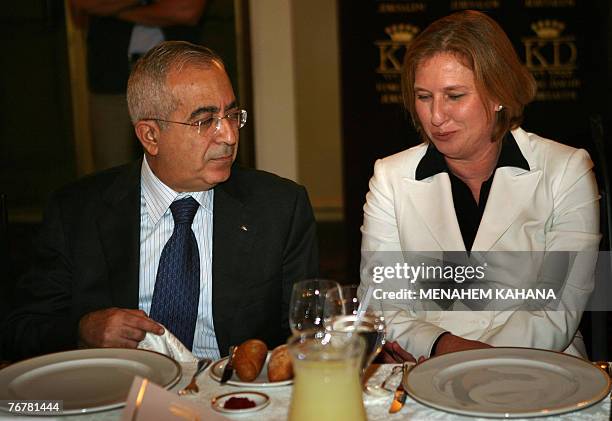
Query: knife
(229, 368)
(399, 397)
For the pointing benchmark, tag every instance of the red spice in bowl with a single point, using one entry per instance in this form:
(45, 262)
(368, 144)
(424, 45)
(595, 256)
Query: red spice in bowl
(238, 403)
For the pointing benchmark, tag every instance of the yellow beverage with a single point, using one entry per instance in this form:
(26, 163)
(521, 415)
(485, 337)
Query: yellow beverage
(327, 391)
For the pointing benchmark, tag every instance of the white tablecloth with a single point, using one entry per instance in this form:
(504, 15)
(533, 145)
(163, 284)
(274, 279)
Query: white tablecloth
(377, 408)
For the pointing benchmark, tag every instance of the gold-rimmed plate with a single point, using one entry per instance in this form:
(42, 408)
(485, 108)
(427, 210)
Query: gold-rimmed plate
(216, 372)
(88, 380)
(507, 383)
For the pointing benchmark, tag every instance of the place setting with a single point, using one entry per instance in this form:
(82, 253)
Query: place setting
(315, 306)
(335, 337)
(337, 331)
(87, 380)
(497, 382)
(137, 380)
(249, 364)
(252, 365)
(507, 383)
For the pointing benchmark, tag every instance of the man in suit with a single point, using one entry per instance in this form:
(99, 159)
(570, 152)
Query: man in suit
(106, 272)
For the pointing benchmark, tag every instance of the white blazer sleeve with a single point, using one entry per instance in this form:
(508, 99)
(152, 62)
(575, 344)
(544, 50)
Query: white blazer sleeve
(573, 226)
(380, 241)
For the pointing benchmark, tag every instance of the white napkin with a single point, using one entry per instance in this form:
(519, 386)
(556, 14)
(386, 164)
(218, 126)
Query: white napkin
(169, 345)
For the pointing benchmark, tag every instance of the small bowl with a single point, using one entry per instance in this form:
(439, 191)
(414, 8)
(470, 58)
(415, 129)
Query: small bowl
(261, 401)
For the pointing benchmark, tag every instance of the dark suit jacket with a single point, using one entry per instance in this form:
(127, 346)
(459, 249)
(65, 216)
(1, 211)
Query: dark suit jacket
(88, 259)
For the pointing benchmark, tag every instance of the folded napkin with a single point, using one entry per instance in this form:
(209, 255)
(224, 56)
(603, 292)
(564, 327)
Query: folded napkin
(169, 345)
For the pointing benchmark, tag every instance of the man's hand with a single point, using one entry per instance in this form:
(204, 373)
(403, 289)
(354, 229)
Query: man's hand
(451, 343)
(116, 327)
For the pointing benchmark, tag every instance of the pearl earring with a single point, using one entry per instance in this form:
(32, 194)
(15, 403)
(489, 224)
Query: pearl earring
(499, 107)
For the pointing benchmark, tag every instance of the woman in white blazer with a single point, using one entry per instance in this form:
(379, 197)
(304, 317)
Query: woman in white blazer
(480, 183)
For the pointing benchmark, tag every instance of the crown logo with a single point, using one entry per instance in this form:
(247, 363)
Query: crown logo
(548, 28)
(401, 32)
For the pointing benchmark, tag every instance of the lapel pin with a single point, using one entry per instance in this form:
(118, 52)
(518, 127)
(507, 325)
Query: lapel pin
(243, 228)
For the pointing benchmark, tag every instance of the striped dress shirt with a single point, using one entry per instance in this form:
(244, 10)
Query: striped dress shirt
(156, 226)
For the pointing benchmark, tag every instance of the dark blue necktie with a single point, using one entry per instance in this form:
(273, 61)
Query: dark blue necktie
(177, 287)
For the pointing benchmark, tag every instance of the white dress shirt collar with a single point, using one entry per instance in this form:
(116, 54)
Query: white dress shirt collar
(158, 196)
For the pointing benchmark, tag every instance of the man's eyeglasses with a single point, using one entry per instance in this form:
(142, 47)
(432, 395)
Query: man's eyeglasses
(237, 119)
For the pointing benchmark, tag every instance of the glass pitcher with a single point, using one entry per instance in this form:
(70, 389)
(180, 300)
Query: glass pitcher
(327, 368)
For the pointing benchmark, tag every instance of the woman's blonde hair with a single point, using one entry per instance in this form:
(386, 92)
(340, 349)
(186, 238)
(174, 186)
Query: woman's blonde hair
(482, 46)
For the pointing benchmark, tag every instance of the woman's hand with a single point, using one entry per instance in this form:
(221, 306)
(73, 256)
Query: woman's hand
(451, 343)
(392, 353)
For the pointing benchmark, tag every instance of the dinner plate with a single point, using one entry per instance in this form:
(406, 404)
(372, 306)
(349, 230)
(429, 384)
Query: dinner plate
(216, 371)
(507, 383)
(260, 401)
(87, 380)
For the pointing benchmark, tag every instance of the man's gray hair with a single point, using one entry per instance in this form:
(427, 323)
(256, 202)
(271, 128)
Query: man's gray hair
(147, 94)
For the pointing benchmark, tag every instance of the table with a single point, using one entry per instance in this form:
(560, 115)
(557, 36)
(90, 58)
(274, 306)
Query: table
(376, 408)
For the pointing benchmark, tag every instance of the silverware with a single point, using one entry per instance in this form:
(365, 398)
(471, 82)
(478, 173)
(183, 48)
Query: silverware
(394, 371)
(382, 389)
(229, 368)
(192, 387)
(399, 397)
(605, 366)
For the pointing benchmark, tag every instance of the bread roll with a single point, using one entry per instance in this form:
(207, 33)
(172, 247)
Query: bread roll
(249, 359)
(279, 366)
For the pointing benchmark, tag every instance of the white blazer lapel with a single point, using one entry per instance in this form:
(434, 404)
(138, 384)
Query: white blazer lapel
(511, 192)
(433, 200)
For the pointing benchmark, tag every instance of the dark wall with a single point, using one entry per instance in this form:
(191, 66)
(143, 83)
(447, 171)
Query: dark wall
(36, 140)
(36, 144)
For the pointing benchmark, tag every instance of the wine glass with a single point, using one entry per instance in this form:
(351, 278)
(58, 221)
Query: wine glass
(308, 303)
(343, 313)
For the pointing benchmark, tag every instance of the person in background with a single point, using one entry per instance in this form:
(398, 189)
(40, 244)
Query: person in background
(181, 238)
(479, 182)
(119, 32)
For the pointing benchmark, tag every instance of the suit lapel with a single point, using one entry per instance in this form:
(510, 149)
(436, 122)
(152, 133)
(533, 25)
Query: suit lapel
(433, 200)
(118, 223)
(233, 236)
(510, 195)
(511, 192)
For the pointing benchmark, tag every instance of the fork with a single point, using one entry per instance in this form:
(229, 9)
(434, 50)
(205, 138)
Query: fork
(383, 386)
(192, 387)
(605, 366)
(396, 370)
